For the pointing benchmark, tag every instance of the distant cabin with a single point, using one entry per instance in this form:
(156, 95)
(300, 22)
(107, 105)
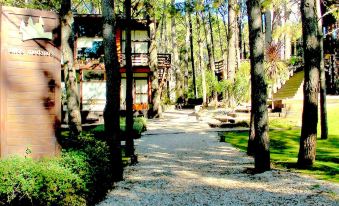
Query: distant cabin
(89, 55)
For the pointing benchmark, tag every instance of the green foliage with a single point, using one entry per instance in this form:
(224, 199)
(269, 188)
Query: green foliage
(51, 5)
(27, 182)
(96, 170)
(239, 89)
(139, 126)
(292, 30)
(211, 82)
(275, 68)
(295, 60)
(81, 175)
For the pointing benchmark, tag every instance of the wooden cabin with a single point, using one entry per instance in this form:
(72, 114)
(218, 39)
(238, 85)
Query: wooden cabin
(89, 55)
(29, 82)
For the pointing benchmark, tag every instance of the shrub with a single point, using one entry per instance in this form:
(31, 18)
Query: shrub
(140, 124)
(81, 175)
(89, 157)
(28, 182)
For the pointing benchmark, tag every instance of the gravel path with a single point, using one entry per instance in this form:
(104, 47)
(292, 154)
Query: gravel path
(182, 164)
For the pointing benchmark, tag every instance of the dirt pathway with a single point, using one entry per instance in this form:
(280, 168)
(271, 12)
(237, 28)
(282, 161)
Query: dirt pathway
(181, 162)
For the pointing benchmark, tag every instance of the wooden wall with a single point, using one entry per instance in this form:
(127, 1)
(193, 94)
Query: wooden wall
(29, 85)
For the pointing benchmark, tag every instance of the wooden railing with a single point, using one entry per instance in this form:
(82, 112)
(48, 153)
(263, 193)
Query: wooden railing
(138, 59)
(164, 63)
(219, 66)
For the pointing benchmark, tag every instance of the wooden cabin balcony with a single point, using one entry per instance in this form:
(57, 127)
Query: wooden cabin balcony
(138, 59)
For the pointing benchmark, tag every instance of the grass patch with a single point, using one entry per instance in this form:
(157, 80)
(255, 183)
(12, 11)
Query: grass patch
(284, 146)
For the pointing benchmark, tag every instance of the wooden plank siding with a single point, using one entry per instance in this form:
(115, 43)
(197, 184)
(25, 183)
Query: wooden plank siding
(30, 80)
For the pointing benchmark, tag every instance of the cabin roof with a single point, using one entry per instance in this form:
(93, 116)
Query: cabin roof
(90, 25)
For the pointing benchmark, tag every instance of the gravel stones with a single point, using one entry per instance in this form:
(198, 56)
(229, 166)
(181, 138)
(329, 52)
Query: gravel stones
(194, 168)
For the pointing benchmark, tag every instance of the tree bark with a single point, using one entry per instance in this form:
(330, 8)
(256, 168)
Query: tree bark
(156, 110)
(210, 46)
(251, 135)
(208, 42)
(259, 87)
(232, 44)
(201, 61)
(220, 39)
(112, 107)
(240, 38)
(225, 69)
(192, 48)
(72, 95)
(323, 109)
(187, 47)
(212, 39)
(312, 53)
(129, 85)
(176, 63)
(163, 28)
(268, 29)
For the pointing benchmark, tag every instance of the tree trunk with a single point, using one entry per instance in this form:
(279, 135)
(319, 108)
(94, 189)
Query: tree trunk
(201, 61)
(156, 110)
(176, 63)
(240, 38)
(212, 39)
(323, 109)
(268, 29)
(129, 85)
(237, 40)
(192, 48)
(231, 54)
(72, 96)
(220, 39)
(251, 135)
(163, 29)
(187, 48)
(225, 69)
(312, 53)
(259, 88)
(210, 46)
(208, 42)
(112, 107)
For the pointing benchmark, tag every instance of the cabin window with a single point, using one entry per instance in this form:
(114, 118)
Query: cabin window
(139, 42)
(90, 48)
(141, 91)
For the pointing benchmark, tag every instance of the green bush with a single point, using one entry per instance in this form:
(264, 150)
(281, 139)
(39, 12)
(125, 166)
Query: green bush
(81, 175)
(139, 126)
(89, 157)
(28, 182)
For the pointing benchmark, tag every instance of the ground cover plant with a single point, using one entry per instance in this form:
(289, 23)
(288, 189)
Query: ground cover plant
(81, 175)
(284, 146)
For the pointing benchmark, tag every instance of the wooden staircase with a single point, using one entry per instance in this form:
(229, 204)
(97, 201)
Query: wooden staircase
(293, 88)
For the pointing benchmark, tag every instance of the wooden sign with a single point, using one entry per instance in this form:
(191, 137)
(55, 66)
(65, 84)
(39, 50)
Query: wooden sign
(29, 82)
